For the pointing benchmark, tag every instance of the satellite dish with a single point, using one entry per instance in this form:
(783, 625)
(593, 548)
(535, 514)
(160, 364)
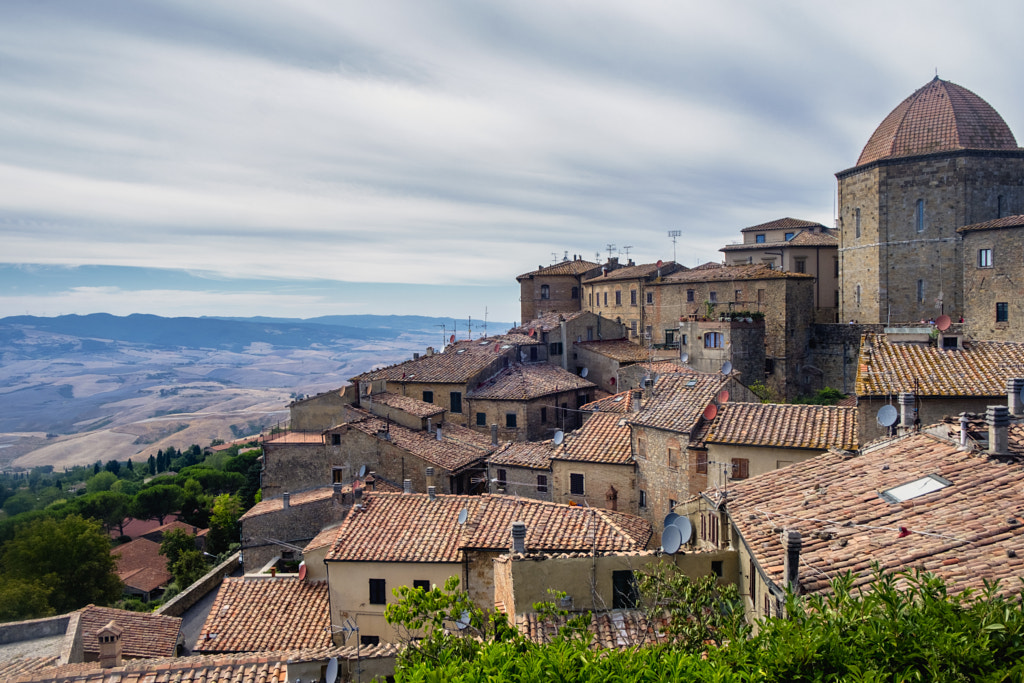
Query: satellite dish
(362, 471)
(584, 372)
(723, 396)
(559, 437)
(710, 411)
(659, 263)
(522, 356)
(726, 368)
(463, 515)
(669, 519)
(451, 340)
(302, 571)
(533, 332)
(463, 621)
(887, 416)
(750, 320)
(943, 322)
(685, 358)
(685, 528)
(671, 539)
(332, 669)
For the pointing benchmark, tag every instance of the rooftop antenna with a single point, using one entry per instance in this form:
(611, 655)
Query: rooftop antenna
(626, 249)
(554, 256)
(674, 234)
(469, 328)
(597, 257)
(444, 334)
(611, 248)
(485, 321)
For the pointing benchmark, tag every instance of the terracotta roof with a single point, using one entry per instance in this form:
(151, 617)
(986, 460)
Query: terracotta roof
(615, 630)
(616, 403)
(968, 532)
(710, 265)
(751, 271)
(289, 436)
(533, 454)
(257, 615)
(603, 438)
(520, 382)
(995, 224)
(886, 368)
(547, 322)
(642, 271)
(575, 267)
(458, 363)
(459, 448)
(143, 634)
(138, 555)
(802, 239)
(783, 224)
(413, 528)
(785, 426)
(678, 401)
(621, 350)
(407, 404)
(939, 117)
(297, 498)
(326, 537)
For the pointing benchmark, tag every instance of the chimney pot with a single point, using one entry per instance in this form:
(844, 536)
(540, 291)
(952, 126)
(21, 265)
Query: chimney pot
(438, 433)
(285, 499)
(432, 492)
(1013, 400)
(110, 645)
(907, 412)
(407, 486)
(519, 537)
(792, 542)
(998, 418)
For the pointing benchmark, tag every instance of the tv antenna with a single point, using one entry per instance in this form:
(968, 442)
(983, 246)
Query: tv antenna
(611, 248)
(674, 234)
(626, 249)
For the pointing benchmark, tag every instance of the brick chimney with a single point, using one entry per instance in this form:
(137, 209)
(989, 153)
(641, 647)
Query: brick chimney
(110, 645)
(998, 418)
(1013, 401)
(792, 543)
(519, 537)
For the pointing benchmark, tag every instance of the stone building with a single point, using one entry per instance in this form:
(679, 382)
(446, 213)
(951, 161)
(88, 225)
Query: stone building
(558, 331)
(942, 159)
(796, 246)
(624, 295)
(594, 466)
(994, 279)
(555, 288)
(522, 468)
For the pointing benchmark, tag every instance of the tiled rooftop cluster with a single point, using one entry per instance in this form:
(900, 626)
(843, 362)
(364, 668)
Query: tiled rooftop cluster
(296, 498)
(784, 224)
(458, 448)
(520, 382)
(414, 528)
(621, 350)
(603, 438)
(616, 630)
(755, 271)
(785, 425)
(967, 532)
(144, 635)
(616, 403)
(141, 566)
(532, 454)
(995, 224)
(887, 369)
(939, 117)
(802, 239)
(407, 404)
(547, 322)
(459, 362)
(678, 401)
(260, 615)
(573, 267)
(643, 270)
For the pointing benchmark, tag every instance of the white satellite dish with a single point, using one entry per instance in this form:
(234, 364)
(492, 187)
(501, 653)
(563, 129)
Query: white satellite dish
(332, 670)
(362, 471)
(463, 621)
(685, 528)
(559, 437)
(463, 516)
(671, 539)
(726, 367)
(584, 372)
(887, 416)
(685, 358)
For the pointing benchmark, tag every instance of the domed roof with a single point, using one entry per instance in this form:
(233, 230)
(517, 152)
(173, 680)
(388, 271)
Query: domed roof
(939, 117)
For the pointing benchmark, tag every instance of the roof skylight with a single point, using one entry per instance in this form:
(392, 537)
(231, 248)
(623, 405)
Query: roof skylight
(915, 489)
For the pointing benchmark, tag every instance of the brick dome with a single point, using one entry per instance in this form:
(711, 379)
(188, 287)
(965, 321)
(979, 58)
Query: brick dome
(939, 117)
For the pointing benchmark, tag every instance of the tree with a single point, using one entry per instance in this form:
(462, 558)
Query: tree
(108, 507)
(224, 523)
(113, 466)
(100, 482)
(175, 543)
(69, 557)
(189, 568)
(20, 599)
(152, 465)
(156, 502)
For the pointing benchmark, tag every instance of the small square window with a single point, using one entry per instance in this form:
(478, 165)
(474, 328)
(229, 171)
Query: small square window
(618, 297)
(650, 297)
(502, 477)
(428, 396)
(456, 401)
(702, 463)
(369, 641)
(643, 498)
(984, 258)
(576, 484)
(335, 439)
(690, 295)
(759, 239)
(632, 297)
(740, 468)
(481, 419)
(378, 592)
(713, 297)
(510, 420)
(425, 585)
(789, 236)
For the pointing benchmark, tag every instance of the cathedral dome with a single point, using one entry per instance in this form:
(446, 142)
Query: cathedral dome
(940, 117)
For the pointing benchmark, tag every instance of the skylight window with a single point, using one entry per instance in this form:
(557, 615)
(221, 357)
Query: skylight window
(915, 489)
(692, 383)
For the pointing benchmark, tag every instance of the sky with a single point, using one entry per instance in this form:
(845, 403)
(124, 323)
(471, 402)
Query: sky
(316, 157)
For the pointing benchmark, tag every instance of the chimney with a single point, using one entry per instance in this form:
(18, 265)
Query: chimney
(438, 433)
(519, 537)
(415, 356)
(964, 421)
(285, 500)
(371, 481)
(611, 498)
(110, 645)
(1013, 399)
(432, 492)
(792, 542)
(338, 493)
(407, 486)
(494, 434)
(907, 411)
(430, 425)
(430, 476)
(998, 418)
(636, 401)
(430, 350)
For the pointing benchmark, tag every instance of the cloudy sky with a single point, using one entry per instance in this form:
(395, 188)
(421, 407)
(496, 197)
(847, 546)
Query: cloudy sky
(317, 157)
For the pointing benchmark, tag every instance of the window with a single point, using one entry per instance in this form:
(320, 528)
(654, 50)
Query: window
(1002, 312)
(576, 484)
(919, 215)
(643, 498)
(555, 348)
(335, 439)
(670, 337)
(673, 458)
(984, 258)
(542, 483)
(913, 489)
(650, 297)
(543, 415)
(682, 339)
(920, 291)
(533, 353)
(456, 398)
(606, 298)
(856, 221)
(717, 567)
(378, 592)
(632, 328)
(714, 340)
(759, 239)
(713, 297)
(641, 446)
(337, 475)
(590, 334)
(428, 396)
(510, 420)
(856, 295)
(419, 583)
(690, 294)
(648, 331)
(618, 297)
(769, 366)
(835, 267)
(502, 477)
(624, 589)
(702, 463)
(740, 468)
(545, 292)
(590, 298)
(738, 295)
(789, 236)
(672, 505)
(481, 419)
(369, 641)
(575, 292)
(837, 299)
(632, 297)
(751, 582)
(800, 265)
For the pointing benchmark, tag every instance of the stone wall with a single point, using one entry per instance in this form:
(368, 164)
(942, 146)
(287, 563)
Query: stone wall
(598, 480)
(320, 412)
(520, 481)
(984, 287)
(181, 602)
(296, 524)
